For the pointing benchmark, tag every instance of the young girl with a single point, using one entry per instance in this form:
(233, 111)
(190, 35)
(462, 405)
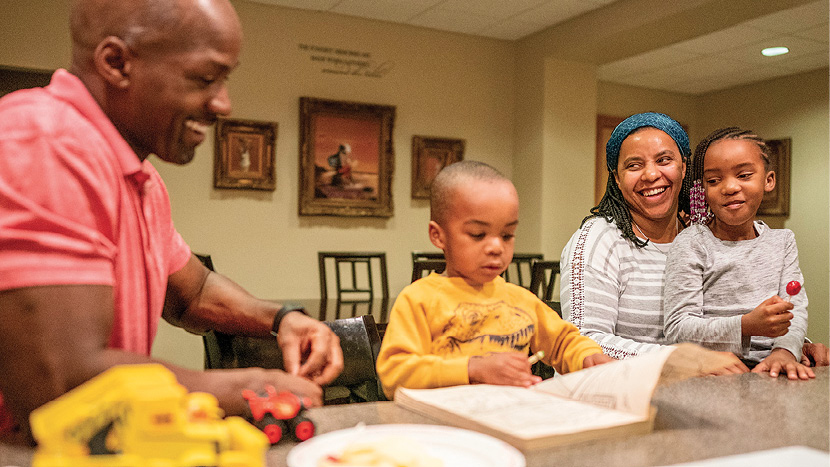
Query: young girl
(726, 273)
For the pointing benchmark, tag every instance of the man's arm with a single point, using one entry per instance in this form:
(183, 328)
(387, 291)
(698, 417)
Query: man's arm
(199, 300)
(54, 338)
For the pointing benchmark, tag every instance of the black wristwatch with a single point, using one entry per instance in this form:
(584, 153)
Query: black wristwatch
(286, 308)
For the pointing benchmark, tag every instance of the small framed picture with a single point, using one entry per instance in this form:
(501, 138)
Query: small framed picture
(245, 154)
(777, 201)
(346, 158)
(429, 156)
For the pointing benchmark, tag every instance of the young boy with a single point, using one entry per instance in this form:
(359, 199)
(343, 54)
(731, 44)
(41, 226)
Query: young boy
(726, 273)
(468, 325)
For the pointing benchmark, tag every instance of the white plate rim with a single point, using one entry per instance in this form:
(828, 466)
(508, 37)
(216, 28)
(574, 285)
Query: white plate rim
(333, 442)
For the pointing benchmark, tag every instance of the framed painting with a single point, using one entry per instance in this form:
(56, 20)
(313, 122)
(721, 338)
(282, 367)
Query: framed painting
(429, 156)
(245, 154)
(777, 202)
(346, 158)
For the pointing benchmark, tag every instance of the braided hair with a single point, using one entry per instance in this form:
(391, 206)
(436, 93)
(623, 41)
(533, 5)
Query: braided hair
(732, 132)
(612, 207)
(693, 185)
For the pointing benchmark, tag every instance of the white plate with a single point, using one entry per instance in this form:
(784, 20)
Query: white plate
(454, 446)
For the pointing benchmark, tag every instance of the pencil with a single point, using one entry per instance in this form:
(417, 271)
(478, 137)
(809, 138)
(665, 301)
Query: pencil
(536, 357)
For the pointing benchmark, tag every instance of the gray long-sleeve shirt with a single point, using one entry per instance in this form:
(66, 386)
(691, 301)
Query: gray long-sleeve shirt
(711, 283)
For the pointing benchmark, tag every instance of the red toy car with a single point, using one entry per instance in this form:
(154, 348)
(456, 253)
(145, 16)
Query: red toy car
(279, 413)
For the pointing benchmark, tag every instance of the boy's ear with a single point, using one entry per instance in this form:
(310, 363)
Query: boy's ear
(436, 235)
(770, 183)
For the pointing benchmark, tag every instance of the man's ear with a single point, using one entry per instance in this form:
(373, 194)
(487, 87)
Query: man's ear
(112, 61)
(769, 185)
(436, 235)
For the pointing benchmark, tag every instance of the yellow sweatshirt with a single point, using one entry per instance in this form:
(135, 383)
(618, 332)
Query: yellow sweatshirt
(438, 323)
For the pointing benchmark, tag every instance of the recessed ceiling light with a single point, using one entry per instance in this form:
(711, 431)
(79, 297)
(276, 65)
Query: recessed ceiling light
(774, 51)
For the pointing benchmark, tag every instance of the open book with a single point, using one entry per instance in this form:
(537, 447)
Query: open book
(613, 399)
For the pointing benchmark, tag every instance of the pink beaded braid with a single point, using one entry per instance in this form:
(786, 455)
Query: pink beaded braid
(697, 201)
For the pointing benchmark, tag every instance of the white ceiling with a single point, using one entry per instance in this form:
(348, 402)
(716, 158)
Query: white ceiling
(711, 62)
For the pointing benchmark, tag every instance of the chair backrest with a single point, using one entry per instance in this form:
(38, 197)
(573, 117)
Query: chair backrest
(359, 341)
(543, 279)
(354, 274)
(420, 267)
(206, 260)
(421, 255)
(555, 306)
(520, 270)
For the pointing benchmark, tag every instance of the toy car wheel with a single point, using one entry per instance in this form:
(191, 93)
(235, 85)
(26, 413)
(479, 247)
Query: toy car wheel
(273, 428)
(303, 428)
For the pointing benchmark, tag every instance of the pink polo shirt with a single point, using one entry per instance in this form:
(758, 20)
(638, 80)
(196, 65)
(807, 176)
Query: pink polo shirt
(78, 207)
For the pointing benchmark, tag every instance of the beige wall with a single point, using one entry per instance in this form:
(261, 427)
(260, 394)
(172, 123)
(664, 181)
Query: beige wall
(520, 108)
(441, 84)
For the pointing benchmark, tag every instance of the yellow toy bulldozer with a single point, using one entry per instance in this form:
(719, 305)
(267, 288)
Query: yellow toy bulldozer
(140, 416)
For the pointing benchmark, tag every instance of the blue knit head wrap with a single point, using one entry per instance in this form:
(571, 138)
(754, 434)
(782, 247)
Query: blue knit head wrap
(648, 119)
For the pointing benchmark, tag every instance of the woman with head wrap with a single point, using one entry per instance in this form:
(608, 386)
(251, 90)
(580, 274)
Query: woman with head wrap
(612, 267)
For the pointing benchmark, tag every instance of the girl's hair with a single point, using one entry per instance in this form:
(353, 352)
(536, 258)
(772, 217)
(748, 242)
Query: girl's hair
(732, 132)
(699, 209)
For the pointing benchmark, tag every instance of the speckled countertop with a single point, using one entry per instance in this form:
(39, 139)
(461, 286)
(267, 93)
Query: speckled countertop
(697, 419)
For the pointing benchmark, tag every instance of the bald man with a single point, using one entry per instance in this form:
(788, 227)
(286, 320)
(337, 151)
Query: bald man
(89, 257)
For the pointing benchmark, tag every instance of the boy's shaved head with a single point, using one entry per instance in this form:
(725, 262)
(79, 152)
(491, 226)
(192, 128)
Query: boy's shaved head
(442, 187)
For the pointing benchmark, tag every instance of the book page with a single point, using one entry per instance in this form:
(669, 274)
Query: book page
(625, 385)
(521, 412)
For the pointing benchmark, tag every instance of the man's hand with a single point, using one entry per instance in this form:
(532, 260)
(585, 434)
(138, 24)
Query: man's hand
(596, 359)
(781, 360)
(309, 348)
(505, 368)
(730, 365)
(815, 354)
(771, 318)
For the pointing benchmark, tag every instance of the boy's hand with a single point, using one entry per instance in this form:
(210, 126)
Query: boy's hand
(771, 318)
(782, 360)
(596, 359)
(505, 368)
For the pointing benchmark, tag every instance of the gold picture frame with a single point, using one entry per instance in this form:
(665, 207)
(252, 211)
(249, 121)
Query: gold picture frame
(245, 155)
(346, 158)
(430, 155)
(777, 202)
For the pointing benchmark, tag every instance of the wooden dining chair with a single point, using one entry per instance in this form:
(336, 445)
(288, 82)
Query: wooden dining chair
(359, 341)
(520, 270)
(422, 267)
(543, 278)
(354, 275)
(422, 255)
(206, 260)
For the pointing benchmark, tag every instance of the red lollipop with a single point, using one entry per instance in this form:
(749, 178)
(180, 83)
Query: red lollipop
(793, 287)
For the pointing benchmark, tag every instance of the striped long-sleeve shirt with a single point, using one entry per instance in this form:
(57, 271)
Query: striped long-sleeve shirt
(612, 290)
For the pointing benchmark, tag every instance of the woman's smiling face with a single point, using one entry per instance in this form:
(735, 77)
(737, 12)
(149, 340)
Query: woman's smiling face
(650, 173)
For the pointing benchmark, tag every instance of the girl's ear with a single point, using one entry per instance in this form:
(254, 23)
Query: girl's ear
(436, 235)
(769, 185)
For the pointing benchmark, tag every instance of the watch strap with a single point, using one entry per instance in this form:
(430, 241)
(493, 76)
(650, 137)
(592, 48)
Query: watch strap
(286, 308)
